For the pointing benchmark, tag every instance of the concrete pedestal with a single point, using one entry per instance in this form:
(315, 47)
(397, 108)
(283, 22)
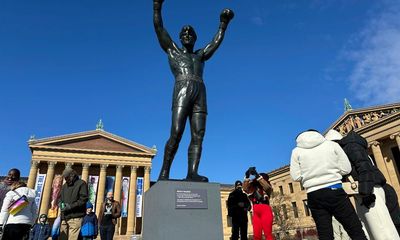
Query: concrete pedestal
(170, 212)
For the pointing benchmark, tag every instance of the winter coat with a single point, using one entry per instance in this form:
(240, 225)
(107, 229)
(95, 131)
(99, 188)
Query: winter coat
(318, 163)
(116, 211)
(27, 215)
(76, 196)
(40, 232)
(363, 170)
(238, 197)
(89, 225)
(258, 190)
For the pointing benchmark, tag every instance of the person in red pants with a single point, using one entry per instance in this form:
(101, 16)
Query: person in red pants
(259, 191)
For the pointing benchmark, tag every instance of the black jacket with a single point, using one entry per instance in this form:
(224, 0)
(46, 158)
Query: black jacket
(234, 210)
(355, 147)
(76, 196)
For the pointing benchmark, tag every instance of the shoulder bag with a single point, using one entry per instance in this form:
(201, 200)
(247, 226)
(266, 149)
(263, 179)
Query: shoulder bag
(350, 187)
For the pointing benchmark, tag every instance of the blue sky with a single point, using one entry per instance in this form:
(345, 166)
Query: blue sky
(284, 67)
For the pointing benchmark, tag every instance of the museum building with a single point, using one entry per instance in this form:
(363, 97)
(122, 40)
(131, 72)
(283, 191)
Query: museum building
(101, 158)
(108, 163)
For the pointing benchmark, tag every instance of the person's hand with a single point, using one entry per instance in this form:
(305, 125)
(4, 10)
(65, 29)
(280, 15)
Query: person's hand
(253, 171)
(67, 207)
(241, 204)
(226, 15)
(368, 200)
(247, 173)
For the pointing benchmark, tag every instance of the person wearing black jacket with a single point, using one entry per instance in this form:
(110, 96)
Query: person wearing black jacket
(74, 195)
(238, 206)
(370, 202)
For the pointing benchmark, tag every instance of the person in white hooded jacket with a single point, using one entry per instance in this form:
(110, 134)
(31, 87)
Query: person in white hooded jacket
(16, 226)
(320, 164)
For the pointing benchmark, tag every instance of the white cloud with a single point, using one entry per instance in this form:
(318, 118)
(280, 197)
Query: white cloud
(375, 76)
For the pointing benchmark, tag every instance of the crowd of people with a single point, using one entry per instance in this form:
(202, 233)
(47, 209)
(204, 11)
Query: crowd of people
(19, 214)
(320, 163)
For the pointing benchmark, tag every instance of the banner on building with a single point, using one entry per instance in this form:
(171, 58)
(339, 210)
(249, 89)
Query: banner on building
(110, 180)
(40, 179)
(55, 196)
(124, 196)
(139, 196)
(92, 189)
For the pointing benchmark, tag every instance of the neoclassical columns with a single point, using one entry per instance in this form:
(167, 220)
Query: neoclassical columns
(44, 207)
(380, 161)
(117, 191)
(147, 170)
(118, 180)
(85, 172)
(132, 202)
(397, 137)
(101, 188)
(33, 174)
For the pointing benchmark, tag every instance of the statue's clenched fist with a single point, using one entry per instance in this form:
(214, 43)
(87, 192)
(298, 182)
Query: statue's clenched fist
(226, 15)
(158, 1)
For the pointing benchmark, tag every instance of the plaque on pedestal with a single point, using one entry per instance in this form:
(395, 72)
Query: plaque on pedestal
(182, 210)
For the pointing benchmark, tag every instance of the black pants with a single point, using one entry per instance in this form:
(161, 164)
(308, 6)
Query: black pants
(107, 232)
(16, 231)
(239, 224)
(324, 204)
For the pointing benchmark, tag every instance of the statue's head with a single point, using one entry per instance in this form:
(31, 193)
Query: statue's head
(188, 36)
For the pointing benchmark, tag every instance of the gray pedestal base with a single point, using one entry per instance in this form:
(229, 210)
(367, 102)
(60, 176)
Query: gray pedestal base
(165, 219)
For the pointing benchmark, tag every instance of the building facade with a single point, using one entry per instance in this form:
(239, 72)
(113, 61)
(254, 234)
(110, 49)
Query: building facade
(105, 161)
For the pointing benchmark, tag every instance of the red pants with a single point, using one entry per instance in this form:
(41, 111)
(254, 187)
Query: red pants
(262, 221)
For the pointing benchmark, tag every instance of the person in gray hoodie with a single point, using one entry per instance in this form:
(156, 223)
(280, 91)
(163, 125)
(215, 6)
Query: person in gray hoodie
(320, 164)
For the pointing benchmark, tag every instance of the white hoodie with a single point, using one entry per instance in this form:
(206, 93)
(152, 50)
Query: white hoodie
(27, 215)
(318, 163)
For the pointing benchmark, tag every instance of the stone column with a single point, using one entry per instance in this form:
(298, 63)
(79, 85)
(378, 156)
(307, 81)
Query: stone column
(117, 192)
(146, 178)
(132, 202)
(44, 206)
(397, 137)
(33, 174)
(85, 172)
(380, 161)
(101, 188)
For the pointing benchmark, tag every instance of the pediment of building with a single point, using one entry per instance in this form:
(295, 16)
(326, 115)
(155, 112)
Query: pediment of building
(361, 119)
(97, 140)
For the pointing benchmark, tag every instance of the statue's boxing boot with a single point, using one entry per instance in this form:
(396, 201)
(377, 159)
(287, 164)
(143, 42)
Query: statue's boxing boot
(169, 154)
(194, 155)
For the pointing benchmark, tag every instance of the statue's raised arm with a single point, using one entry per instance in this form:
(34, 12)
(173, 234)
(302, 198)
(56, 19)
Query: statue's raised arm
(163, 37)
(225, 17)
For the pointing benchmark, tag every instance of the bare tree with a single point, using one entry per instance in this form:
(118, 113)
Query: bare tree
(285, 214)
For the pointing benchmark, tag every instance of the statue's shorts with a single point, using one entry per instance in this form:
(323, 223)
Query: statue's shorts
(190, 93)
